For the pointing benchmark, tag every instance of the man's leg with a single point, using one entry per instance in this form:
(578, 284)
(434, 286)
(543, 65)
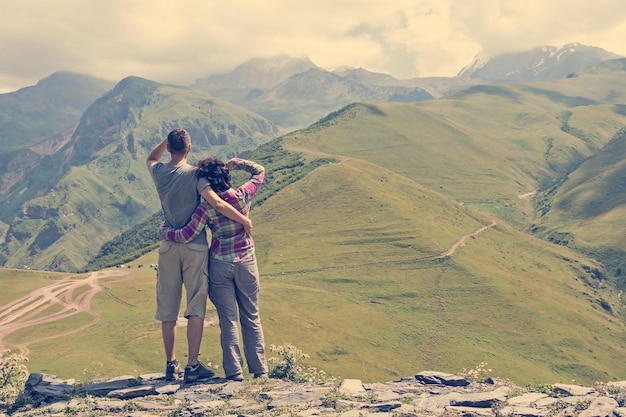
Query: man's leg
(169, 293)
(168, 330)
(196, 283)
(195, 326)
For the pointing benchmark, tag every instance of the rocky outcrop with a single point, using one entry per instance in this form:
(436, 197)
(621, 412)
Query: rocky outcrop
(425, 394)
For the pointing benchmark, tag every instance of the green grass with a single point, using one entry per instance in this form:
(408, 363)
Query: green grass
(501, 299)
(589, 207)
(372, 305)
(49, 331)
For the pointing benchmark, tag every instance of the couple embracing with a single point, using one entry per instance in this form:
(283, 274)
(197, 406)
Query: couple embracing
(192, 197)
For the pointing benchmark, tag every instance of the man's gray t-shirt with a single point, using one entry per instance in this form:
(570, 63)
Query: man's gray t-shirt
(179, 191)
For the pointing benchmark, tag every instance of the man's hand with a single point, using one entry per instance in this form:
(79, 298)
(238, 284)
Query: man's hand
(247, 226)
(226, 209)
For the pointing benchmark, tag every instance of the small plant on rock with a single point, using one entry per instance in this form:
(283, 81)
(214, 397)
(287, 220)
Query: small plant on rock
(608, 388)
(582, 405)
(478, 374)
(339, 401)
(13, 375)
(289, 365)
(542, 389)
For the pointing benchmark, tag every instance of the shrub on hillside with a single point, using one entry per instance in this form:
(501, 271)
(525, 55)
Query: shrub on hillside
(13, 375)
(289, 365)
(478, 374)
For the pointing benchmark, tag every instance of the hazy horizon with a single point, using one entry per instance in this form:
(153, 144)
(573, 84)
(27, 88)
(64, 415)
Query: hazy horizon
(180, 42)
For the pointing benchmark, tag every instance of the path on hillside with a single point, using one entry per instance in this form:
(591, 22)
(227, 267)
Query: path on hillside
(428, 354)
(456, 245)
(526, 195)
(51, 303)
(464, 238)
(448, 253)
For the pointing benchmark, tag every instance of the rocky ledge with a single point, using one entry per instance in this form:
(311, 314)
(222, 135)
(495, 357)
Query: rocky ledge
(424, 394)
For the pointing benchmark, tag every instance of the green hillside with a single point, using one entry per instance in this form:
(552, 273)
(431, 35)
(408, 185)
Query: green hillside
(353, 274)
(97, 186)
(32, 114)
(504, 150)
(587, 211)
(375, 284)
(485, 146)
(395, 238)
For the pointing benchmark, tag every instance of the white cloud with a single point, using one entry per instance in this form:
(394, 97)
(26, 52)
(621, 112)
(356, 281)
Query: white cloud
(180, 41)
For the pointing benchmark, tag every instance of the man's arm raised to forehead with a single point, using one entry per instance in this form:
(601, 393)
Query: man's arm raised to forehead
(156, 154)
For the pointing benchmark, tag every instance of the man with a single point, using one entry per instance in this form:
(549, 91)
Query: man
(183, 264)
(233, 272)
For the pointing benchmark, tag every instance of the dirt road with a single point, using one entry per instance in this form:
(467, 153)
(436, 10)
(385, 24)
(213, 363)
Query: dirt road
(51, 303)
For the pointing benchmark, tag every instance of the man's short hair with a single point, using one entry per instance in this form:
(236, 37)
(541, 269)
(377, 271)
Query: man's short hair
(178, 141)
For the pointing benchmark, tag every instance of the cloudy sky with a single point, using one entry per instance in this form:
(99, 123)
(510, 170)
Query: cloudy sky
(179, 41)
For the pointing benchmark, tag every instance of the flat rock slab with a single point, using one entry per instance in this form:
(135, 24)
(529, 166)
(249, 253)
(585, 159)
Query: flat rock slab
(433, 377)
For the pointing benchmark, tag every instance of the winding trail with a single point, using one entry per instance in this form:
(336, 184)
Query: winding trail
(463, 239)
(51, 303)
(437, 329)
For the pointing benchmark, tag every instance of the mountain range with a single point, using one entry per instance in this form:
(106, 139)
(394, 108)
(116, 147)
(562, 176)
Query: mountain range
(538, 64)
(66, 196)
(80, 123)
(485, 222)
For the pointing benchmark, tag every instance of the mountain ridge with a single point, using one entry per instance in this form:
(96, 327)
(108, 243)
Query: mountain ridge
(100, 175)
(541, 63)
(26, 113)
(275, 100)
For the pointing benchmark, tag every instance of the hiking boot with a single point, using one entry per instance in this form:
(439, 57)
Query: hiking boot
(172, 370)
(237, 378)
(263, 375)
(197, 373)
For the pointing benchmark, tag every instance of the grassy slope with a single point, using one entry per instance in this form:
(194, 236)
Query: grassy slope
(587, 209)
(419, 142)
(350, 275)
(90, 198)
(492, 144)
(411, 309)
(35, 113)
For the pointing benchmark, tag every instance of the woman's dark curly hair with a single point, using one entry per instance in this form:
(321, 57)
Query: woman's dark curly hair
(216, 172)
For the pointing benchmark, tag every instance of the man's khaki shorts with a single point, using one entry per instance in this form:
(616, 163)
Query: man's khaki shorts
(182, 265)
